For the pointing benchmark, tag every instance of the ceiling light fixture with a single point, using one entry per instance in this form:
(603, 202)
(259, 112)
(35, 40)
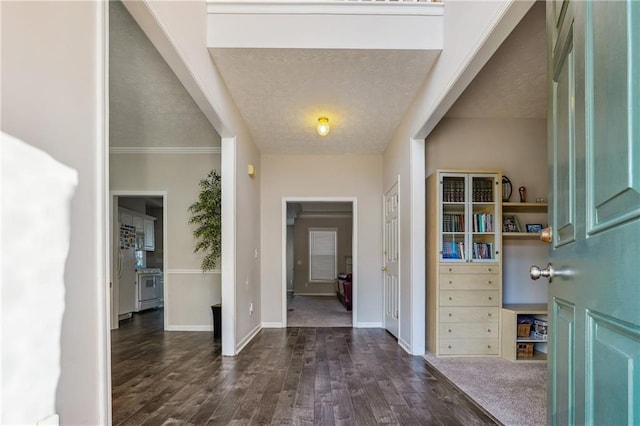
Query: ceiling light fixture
(323, 126)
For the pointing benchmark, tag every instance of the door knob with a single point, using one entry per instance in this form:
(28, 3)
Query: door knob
(535, 272)
(546, 234)
(384, 269)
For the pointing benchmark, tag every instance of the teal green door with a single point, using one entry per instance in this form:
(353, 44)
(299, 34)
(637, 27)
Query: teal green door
(594, 171)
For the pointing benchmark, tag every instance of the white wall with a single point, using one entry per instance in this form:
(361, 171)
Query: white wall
(518, 147)
(472, 33)
(53, 99)
(178, 30)
(190, 293)
(323, 176)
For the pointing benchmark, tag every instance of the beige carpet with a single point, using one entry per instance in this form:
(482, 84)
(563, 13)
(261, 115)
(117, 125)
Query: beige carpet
(514, 393)
(317, 311)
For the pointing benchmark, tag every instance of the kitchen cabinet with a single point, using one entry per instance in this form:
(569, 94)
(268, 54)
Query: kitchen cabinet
(464, 282)
(149, 235)
(144, 224)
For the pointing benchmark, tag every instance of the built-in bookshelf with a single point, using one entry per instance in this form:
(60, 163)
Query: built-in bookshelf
(464, 268)
(524, 213)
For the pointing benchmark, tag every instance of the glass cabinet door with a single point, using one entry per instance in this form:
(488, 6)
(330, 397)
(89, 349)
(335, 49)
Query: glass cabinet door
(454, 217)
(468, 225)
(483, 244)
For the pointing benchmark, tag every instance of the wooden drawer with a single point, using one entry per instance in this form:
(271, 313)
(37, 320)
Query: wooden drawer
(470, 298)
(469, 282)
(470, 268)
(485, 314)
(469, 347)
(469, 329)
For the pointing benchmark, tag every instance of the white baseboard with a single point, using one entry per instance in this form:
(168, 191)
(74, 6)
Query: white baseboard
(189, 328)
(315, 294)
(272, 325)
(404, 345)
(369, 325)
(244, 342)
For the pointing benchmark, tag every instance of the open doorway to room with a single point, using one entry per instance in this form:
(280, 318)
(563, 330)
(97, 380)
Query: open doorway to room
(138, 253)
(319, 270)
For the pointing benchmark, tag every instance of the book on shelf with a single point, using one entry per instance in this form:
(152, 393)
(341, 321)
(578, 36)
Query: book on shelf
(483, 250)
(453, 190)
(453, 250)
(483, 222)
(453, 222)
(482, 191)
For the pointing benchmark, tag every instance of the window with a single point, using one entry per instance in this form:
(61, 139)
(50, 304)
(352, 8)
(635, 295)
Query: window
(322, 254)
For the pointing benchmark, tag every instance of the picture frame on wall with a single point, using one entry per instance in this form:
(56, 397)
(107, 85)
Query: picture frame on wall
(510, 223)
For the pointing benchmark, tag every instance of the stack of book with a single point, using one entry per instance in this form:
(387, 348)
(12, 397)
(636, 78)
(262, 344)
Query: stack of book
(483, 250)
(453, 222)
(453, 190)
(482, 191)
(452, 250)
(483, 222)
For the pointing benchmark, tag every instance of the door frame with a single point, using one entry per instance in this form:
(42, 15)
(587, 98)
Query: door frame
(113, 205)
(354, 250)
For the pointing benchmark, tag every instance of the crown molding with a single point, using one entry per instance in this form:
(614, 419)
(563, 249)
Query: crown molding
(327, 7)
(164, 150)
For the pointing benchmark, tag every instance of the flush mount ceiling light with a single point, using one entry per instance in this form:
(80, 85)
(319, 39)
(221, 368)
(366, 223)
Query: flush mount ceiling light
(323, 126)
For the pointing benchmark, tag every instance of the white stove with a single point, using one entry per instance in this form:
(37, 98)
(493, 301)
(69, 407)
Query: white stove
(149, 288)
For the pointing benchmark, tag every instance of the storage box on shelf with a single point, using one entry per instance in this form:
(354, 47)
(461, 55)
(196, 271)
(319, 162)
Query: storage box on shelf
(524, 332)
(464, 267)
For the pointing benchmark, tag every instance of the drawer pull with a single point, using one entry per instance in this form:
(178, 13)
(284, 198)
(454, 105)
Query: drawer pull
(488, 330)
(488, 346)
(450, 269)
(450, 282)
(489, 269)
(489, 297)
(449, 346)
(449, 330)
(490, 282)
(450, 314)
(450, 298)
(489, 314)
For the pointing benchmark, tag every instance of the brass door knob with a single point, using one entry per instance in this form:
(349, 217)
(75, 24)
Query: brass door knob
(546, 235)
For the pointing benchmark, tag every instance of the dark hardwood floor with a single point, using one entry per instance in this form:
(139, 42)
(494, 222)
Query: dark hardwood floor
(293, 376)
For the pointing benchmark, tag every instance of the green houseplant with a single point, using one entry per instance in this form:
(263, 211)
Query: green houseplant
(206, 214)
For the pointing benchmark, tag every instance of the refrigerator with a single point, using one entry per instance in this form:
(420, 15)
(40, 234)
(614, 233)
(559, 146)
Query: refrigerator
(127, 270)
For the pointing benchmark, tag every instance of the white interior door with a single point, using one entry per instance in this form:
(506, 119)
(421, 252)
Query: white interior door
(391, 257)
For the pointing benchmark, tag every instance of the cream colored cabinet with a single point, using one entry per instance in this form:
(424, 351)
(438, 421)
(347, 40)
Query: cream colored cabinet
(464, 272)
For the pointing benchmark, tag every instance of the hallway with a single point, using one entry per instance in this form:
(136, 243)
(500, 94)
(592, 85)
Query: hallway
(284, 376)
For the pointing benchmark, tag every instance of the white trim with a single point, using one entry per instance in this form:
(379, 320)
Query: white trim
(404, 345)
(244, 342)
(164, 150)
(228, 261)
(189, 328)
(329, 7)
(417, 215)
(324, 215)
(103, 225)
(369, 325)
(354, 249)
(314, 294)
(272, 325)
(192, 271)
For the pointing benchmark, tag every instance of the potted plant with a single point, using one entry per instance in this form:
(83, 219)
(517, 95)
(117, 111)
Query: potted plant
(206, 214)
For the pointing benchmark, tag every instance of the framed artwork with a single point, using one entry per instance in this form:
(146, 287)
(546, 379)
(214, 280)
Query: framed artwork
(534, 227)
(510, 223)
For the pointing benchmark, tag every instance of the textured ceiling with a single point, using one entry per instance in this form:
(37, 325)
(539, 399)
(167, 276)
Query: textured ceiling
(282, 92)
(513, 82)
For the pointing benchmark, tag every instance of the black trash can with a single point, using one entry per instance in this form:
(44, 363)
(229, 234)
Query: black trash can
(217, 320)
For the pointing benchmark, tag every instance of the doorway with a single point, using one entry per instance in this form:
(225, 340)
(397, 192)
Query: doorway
(138, 241)
(319, 262)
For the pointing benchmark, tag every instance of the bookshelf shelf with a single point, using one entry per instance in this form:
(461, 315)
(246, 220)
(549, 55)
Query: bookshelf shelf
(522, 235)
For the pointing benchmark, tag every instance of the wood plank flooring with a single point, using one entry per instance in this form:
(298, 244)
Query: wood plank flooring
(293, 376)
